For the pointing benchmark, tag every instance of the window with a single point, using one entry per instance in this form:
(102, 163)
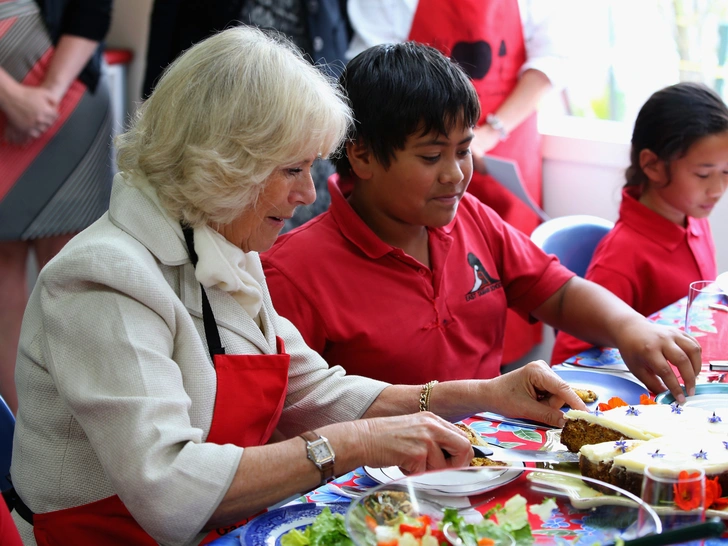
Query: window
(627, 49)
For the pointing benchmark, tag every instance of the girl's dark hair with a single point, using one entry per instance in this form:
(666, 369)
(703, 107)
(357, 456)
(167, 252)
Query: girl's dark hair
(397, 90)
(671, 121)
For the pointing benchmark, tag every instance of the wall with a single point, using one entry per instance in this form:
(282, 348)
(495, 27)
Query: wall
(584, 163)
(129, 28)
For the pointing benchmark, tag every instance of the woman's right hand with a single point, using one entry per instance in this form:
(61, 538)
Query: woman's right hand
(415, 442)
(30, 112)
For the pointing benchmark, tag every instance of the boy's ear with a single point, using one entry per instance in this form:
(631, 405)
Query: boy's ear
(360, 159)
(653, 167)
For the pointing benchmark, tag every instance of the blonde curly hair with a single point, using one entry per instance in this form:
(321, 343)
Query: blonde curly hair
(223, 117)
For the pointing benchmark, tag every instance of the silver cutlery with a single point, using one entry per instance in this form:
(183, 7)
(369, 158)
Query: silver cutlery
(527, 455)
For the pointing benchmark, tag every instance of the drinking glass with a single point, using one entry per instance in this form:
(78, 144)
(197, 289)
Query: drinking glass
(677, 497)
(706, 320)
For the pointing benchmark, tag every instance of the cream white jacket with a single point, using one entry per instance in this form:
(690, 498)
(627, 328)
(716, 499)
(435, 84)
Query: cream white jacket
(116, 386)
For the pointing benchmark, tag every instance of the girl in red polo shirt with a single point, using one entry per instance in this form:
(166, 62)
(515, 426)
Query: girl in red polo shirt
(662, 241)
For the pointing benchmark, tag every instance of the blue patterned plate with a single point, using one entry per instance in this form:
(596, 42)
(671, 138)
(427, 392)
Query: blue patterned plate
(267, 529)
(604, 385)
(709, 396)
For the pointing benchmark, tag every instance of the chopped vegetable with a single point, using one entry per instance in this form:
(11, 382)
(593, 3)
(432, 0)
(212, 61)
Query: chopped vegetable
(544, 510)
(400, 528)
(326, 530)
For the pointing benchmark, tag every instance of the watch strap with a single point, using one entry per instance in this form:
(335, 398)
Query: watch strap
(326, 468)
(497, 124)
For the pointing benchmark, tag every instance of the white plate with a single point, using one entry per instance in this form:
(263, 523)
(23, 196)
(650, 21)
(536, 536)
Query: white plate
(453, 483)
(709, 402)
(722, 282)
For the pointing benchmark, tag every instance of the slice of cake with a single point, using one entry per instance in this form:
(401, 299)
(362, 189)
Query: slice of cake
(623, 462)
(640, 422)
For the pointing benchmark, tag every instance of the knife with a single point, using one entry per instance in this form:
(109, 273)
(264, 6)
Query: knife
(527, 455)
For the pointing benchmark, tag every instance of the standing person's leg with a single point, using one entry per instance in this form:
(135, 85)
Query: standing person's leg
(13, 294)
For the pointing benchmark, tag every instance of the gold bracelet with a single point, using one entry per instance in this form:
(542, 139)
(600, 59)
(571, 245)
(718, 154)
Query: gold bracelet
(425, 395)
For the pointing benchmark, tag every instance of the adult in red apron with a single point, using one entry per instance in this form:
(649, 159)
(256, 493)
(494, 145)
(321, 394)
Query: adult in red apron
(242, 421)
(486, 38)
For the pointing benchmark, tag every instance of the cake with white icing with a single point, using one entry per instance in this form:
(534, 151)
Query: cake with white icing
(622, 463)
(639, 422)
(616, 445)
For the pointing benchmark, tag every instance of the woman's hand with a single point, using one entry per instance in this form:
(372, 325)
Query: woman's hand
(485, 138)
(648, 349)
(30, 112)
(531, 392)
(415, 442)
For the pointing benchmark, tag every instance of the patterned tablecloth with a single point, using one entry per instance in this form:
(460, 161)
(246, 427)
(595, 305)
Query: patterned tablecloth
(523, 436)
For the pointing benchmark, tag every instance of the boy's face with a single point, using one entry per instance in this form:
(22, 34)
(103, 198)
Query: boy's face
(426, 180)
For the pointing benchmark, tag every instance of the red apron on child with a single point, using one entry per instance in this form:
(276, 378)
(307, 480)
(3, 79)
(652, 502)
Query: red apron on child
(486, 38)
(242, 416)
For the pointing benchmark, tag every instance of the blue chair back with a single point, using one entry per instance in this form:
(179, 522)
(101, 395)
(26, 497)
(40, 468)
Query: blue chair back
(7, 428)
(572, 239)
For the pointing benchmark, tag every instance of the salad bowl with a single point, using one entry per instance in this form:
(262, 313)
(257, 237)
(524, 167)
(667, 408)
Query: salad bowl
(542, 506)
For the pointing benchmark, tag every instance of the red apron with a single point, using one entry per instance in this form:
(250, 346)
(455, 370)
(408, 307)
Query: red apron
(243, 416)
(486, 38)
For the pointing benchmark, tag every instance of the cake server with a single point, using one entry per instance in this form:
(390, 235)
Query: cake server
(527, 455)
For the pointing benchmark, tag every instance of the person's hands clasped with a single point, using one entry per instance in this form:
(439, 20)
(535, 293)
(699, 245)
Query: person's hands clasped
(415, 443)
(31, 112)
(533, 392)
(648, 349)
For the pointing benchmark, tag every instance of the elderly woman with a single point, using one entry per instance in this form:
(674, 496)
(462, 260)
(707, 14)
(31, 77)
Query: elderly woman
(161, 396)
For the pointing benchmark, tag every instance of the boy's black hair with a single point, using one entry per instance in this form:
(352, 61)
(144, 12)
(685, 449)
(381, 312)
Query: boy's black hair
(397, 90)
(671, 121)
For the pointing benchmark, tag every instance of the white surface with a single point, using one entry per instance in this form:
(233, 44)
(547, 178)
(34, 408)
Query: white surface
(507, 173)
(722, 282)
(709, 402)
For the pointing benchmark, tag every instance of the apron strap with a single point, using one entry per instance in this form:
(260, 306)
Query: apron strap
(14, 502)
(212, 336)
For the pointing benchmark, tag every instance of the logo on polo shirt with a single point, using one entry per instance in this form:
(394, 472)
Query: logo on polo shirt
(483, 282)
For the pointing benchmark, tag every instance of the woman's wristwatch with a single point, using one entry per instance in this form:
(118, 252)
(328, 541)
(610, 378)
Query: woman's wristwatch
(497, 125)
(320, 453)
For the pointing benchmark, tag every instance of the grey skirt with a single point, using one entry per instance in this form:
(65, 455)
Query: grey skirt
(60, 182)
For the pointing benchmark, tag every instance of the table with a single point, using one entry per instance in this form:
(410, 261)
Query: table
(518, 436)
(505, 435)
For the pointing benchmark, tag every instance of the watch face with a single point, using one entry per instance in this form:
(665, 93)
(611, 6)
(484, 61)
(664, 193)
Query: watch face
(321, 451)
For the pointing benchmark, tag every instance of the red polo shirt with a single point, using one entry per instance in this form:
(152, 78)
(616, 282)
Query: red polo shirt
(378, 312)
(648, 261)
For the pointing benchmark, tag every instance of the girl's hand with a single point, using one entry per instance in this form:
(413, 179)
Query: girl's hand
(532, 392)
(30, 112)
(648, 349)
(415, 442)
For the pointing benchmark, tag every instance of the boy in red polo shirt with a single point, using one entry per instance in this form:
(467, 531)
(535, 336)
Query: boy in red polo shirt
(406, 278)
